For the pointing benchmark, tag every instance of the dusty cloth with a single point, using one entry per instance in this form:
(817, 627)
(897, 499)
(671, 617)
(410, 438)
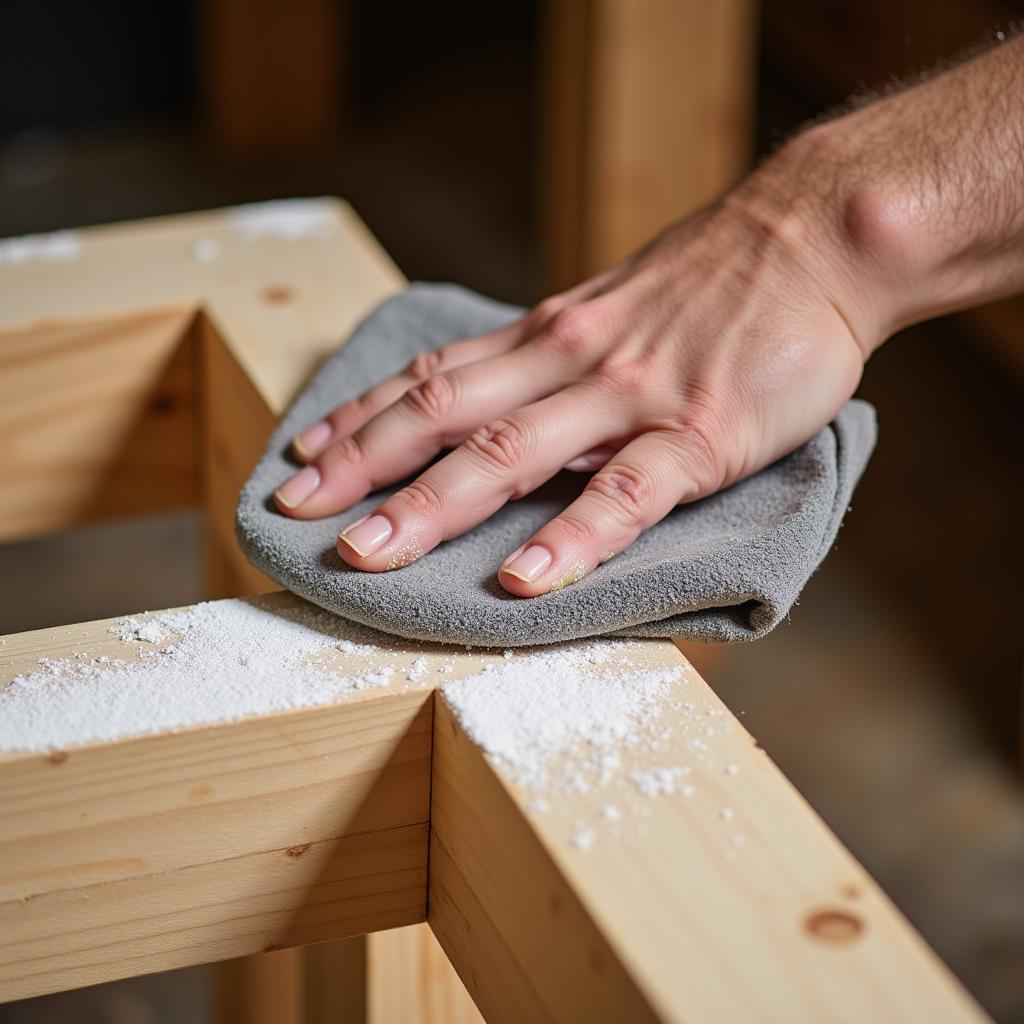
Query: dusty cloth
(726, 568)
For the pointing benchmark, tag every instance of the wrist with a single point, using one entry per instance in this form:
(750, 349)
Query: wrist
(856, 235)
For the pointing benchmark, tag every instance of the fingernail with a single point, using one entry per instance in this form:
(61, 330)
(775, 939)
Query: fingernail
(312, 439)
(592, 460)
(368, 536)
(294, 491)
(528, 564)
(515, 554)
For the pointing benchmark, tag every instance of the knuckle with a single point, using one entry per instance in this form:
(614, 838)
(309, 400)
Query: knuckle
(623, 376)
(501, 445)
(572, 331)
(544, 310)
(357, 411)
(701, 442)
(432, 399)
(343, 454)
(424, 365)
(628, 489)
(421, 498)
(577, 530)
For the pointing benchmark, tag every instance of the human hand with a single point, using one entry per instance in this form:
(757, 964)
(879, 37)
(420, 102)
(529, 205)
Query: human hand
(723, 345)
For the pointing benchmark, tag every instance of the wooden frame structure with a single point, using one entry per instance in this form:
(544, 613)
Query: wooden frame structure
(142, 367)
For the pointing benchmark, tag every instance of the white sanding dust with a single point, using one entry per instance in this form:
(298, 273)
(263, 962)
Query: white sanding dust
(51, 247)
(287, 220)
(570, 710)
(585, 719)
(595, 734)
(213, 662)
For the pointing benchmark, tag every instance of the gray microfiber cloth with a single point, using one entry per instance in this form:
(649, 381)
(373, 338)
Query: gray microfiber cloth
(725, 568)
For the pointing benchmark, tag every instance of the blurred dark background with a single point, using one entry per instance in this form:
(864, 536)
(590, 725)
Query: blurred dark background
(893, 697)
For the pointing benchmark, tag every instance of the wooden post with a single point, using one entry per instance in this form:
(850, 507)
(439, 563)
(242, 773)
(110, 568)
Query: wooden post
(647, 115)
(272, 75)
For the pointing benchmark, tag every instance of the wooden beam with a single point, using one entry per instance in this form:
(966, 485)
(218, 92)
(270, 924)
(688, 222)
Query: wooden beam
(681, 924)
(210, 843)
(169, 850)
(97, 418)
(647, 116)
(100, 354)
(283, 283)
(236, 423)
(297, 827)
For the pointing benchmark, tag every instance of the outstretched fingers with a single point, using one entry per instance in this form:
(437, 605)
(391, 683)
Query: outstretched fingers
(438, 413)
(503, 460)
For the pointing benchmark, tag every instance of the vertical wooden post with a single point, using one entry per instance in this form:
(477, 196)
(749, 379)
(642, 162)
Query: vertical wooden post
(399, 976)
(264, 989)
(410, 980)
(334, 982)
(647, 116)
(271, 74)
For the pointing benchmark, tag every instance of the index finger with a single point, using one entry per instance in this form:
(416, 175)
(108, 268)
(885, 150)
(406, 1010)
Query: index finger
(349, 417)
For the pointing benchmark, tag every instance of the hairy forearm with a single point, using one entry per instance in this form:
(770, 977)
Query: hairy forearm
(913, 205)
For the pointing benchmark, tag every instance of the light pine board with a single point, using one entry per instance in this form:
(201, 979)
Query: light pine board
(308, 825)
(282, 304)
(129, 857)
(648, 116)
(676, 925)
(97, 417)
(236, 423)
(214, 842)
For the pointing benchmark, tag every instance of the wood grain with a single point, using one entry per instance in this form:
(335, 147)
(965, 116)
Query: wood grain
(208, 843)
(648, 116)
(260, 901)
(99, 356)
(236, 423)
(97, 418)
(412, 981)
(675, 923)
(271, 75)
(282, 303)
